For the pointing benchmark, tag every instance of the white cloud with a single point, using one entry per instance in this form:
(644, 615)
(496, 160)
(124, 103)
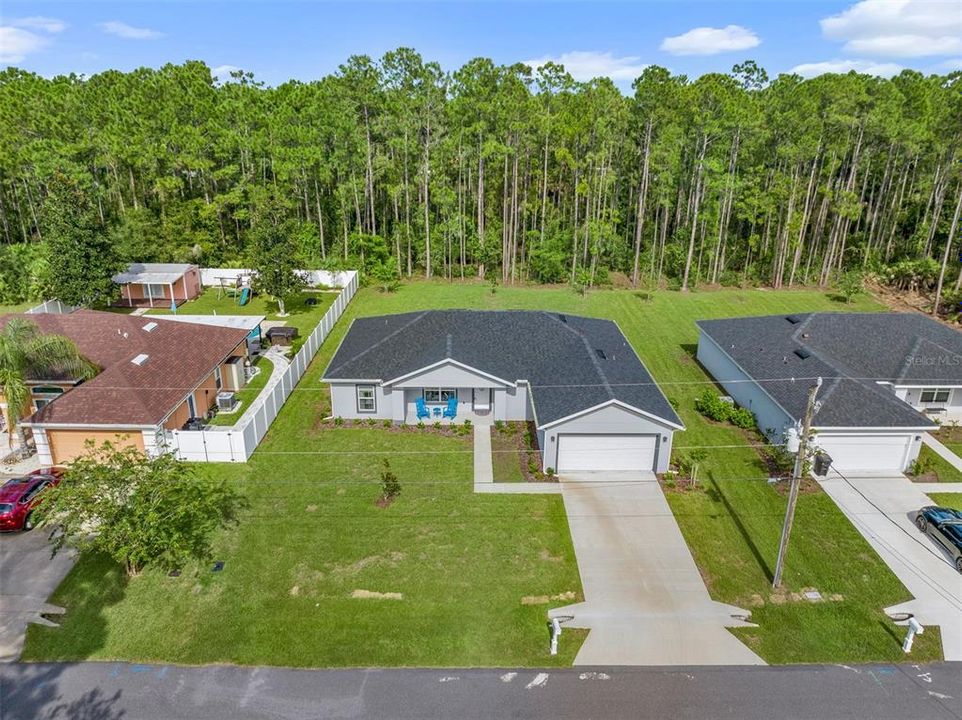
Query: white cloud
(129, 32)
(586, 65)
(222, 73)
(50, 25)
(951, 64)
(16, 43)
(898, 28)
(867, 67)
(710, 41)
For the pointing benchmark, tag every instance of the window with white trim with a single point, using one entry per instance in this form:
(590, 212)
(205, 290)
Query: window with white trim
(365, 399)
(439, 395)
(936, 395)
(218, 378)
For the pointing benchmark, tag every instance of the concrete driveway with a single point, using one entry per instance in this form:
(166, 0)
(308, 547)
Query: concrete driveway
(645, 602)
(883, 511)
(28, 576)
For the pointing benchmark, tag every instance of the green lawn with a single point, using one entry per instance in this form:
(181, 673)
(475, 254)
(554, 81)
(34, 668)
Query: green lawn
(951, 437)
(936, 468)
(463, 562)
(949, 500)
(19, 308)
(299, 314)
(250, 391)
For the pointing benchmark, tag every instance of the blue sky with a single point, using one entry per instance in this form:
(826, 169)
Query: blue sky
(306, 40)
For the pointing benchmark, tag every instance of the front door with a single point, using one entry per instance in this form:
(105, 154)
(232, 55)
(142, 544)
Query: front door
(481, 399)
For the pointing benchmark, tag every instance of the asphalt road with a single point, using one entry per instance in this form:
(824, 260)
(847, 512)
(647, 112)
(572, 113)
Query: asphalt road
(111, 691)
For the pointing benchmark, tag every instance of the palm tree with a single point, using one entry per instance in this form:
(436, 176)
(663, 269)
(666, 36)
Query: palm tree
(25, 354)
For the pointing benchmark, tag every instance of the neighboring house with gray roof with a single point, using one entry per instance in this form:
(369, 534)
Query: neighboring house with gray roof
(593, 402)
(887, 378)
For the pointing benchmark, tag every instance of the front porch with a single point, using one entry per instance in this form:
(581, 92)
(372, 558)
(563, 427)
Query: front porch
(437, 411)
(474, 404)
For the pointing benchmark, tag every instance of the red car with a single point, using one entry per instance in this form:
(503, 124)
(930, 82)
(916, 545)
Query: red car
(19, 496)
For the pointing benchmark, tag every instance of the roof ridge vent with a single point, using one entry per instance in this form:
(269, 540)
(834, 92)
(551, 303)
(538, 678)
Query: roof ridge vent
(140, 359)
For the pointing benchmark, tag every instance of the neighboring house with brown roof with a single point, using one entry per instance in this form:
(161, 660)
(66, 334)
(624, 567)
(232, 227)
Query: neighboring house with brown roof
(155, 376)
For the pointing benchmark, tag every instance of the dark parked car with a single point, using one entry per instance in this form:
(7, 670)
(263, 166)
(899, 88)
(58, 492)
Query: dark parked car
(19, 497)
(945, 527)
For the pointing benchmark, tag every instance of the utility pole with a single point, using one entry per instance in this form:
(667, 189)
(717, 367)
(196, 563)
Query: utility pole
(796, 481)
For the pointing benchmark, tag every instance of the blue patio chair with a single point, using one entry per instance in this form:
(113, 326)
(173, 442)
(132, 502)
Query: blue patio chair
(423, 411)
(451, 411)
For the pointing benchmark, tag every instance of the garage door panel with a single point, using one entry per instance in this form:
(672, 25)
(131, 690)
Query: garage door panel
(866, 452)
(592, 453)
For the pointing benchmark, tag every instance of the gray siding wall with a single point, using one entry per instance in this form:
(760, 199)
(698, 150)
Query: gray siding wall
(516, 403)
(747, 394)
(609, 420)
(344, 402)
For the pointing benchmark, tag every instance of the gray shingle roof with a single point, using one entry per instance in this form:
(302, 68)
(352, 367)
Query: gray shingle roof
(557, 357)
(855, 350)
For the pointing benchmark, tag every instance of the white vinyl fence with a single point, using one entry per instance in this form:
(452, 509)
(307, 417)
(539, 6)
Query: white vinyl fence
(213, 277)
(237, 443)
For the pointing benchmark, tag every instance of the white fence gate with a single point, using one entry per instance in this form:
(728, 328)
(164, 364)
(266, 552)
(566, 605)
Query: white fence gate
(237, 443)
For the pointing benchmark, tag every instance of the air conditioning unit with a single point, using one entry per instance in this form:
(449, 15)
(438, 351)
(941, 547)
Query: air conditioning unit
(236, 377)
(226, 401)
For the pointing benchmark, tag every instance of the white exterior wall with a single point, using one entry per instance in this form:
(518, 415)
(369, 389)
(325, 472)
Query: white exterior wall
(516, 405)
(608, 420)
(953, 408)
(43, 446)
(344, 401)
(749, 395)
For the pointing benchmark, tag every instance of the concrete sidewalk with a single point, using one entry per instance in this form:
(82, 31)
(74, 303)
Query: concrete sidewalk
(645, 602)
(484, 471)
(883, 511)
(942, 451)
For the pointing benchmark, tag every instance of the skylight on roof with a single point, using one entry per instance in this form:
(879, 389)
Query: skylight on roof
(150, 326)
(140, 359)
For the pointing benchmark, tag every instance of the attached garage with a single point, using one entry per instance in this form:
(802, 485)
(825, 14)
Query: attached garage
(67, 445)
(868, 454)
(586, 453)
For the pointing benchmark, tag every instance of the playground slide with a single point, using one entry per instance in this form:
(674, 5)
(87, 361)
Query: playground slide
(245, 296)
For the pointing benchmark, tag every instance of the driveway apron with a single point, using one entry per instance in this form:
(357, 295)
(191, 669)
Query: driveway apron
(883, 511)
(645, 601)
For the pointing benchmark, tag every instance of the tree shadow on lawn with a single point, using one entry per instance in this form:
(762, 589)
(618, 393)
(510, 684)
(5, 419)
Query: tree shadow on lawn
(95, 583)
(31, 692)
(715, 493)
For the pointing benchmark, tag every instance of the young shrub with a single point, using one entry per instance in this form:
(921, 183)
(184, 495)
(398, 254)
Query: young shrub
(549, 472)
(920, 466)
(421, 425)
(695, 458)
(779, 459)
(499, 425)
(742, 417)
(437, 424)
(390, 485)
(710, 404)
(338, 421)
(371, 422)
(387, 423)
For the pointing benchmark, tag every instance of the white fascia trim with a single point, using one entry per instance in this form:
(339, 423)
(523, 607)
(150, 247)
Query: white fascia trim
(930, 386)
(355, 381)
(874, 430)
(86, 426)
(618, 403)
(449, 361)
(747, 374)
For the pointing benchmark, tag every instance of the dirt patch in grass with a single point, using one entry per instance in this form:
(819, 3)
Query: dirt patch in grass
(374, 595)
(807, 486)
(568, 596)
(358, 565)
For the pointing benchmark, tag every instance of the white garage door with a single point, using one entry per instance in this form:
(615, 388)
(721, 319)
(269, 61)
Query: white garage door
(866, 453)
(590, 453)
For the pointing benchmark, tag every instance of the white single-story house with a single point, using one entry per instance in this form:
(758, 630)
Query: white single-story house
(592, 402)
(888, 378)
